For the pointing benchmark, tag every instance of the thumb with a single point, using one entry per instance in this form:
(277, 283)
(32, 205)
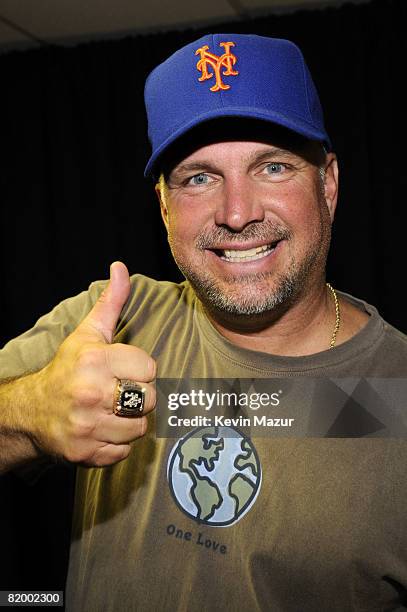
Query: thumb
(103, 317)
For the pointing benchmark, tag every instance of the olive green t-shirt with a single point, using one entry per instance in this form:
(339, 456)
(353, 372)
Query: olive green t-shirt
(229, 523)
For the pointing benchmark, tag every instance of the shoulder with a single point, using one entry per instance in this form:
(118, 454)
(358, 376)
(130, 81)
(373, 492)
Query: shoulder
(149, 300)
(384, 346)
(395, 343)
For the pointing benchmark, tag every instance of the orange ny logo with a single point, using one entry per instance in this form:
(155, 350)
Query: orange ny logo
(225, 61)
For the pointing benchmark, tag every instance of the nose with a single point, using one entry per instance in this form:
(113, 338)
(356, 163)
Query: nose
(238, 205)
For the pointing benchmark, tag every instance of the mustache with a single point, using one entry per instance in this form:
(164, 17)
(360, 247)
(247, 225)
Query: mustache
(268, 231)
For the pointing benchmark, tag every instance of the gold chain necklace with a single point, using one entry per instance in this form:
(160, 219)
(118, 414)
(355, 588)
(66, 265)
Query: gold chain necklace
(337, 316)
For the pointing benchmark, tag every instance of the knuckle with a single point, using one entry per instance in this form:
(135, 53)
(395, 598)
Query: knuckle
(86, 395)
(76, 454)
(90, 357)
(80, 429)
(146, 364)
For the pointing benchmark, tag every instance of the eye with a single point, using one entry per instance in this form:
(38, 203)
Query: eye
(276, 171)
(274, 168)
(199, 179)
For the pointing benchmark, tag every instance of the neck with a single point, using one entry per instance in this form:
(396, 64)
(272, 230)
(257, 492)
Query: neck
(304, 327)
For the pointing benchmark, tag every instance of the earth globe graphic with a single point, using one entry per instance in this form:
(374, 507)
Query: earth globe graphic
(214, 475)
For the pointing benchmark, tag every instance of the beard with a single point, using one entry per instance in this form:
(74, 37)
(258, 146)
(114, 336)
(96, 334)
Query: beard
(243, 295)
(254, 294)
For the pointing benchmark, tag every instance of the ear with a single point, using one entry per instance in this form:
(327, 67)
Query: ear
(160, 191)
(331, 183)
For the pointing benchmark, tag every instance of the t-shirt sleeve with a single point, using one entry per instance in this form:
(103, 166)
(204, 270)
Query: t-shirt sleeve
(33, 349)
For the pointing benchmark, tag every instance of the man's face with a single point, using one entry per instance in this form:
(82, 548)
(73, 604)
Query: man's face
(249, 222)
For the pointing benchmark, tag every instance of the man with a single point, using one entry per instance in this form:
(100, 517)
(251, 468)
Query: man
(217, 519)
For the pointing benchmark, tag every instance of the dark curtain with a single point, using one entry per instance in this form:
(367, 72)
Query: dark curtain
(73, 198)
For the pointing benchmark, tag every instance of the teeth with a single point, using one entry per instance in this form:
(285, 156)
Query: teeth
(248, 255)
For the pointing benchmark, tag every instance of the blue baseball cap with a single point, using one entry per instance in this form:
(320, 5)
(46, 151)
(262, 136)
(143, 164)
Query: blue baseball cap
(231, 75)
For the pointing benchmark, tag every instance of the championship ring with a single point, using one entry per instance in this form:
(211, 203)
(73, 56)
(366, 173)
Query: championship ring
(129, 399)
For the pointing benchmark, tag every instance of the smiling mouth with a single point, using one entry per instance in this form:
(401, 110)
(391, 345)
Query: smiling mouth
(234, 255)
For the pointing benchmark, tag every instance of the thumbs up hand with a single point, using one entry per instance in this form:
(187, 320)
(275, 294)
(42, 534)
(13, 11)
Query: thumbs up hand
(75, 392)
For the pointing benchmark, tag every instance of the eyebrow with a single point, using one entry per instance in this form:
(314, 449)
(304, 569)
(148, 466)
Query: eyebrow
(265, 154)
(194, 167)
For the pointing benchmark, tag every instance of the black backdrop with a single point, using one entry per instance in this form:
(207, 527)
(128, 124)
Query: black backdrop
(73, 147)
